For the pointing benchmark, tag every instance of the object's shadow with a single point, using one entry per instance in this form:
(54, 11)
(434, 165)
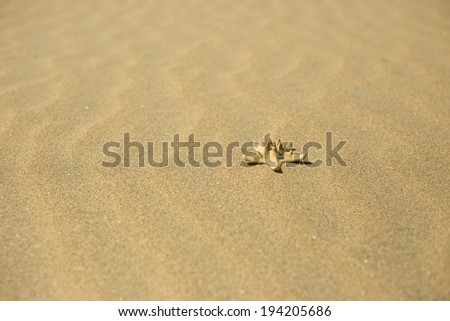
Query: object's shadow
(280, 171)
(300, 162)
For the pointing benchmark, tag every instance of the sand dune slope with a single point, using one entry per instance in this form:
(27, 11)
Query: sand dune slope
(74, 76)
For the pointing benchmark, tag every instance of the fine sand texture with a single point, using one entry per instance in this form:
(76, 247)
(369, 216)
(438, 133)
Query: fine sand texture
(77, 74)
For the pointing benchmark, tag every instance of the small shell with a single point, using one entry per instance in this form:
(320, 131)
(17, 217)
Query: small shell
(274, 154)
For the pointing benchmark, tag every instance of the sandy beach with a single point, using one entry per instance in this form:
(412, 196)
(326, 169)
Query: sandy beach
(76, 75)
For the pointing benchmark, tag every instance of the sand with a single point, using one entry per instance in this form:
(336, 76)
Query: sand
(77, 75)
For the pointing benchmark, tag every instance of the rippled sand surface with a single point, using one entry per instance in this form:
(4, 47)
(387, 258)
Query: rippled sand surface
(76, 75)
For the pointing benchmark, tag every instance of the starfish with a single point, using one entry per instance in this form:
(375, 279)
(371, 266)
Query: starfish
(274, 154)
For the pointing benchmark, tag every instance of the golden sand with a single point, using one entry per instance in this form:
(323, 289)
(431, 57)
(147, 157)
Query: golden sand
(76, 75)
